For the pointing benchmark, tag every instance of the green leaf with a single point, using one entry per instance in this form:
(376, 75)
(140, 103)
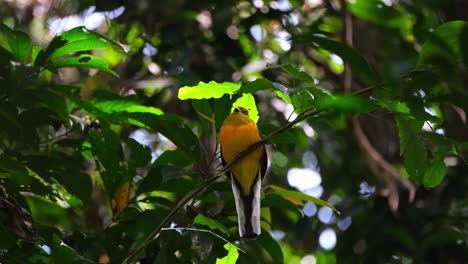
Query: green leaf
(172, 127)
(247, 101)
(445, 46)
(211, 223)
(303, 100)
(109, 152)
(140, 154)
(158, 175)
(19, 43)
(347, 103)
(271, 246)
(380, 14)
(231, 257)
(174, 157)
(207, 90)
(280, 202)
(255, 86)
(415, 158)
(205, 114)
(408, 127)
(394, 106)
(62, 253)
(43, 56)
(15, 171)
(436, 172)
(79, 39)
(301, 196)
(349, 55)
(221, 108)
(181, 185)
(46, 212)
(82, 61)
(286, 138)
(296, 74)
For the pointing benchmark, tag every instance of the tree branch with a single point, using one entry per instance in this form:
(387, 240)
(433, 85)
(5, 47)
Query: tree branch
(377, 163)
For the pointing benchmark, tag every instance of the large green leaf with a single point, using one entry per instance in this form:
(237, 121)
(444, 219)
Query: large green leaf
(79, 39)
(377, 12)
(207, 90)
(19, 43)
(446, 46)
(82, 61)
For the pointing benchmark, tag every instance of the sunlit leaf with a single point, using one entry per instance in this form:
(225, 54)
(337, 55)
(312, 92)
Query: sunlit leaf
(207, 90)
(231, 257)
(79, 39)
(211, 223)
(247, 101)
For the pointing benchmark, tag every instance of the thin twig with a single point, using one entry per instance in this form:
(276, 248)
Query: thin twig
(204, 231)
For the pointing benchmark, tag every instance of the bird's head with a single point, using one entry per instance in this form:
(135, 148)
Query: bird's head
(242, 110)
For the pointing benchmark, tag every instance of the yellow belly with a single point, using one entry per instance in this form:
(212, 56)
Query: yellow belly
(234, 140)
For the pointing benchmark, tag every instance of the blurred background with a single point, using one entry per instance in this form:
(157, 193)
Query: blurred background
(172, 43)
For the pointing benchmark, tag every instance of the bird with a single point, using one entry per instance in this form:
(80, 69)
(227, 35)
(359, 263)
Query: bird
(238, 132)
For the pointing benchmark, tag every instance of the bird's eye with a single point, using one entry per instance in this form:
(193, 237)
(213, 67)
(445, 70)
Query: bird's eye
(241, 110)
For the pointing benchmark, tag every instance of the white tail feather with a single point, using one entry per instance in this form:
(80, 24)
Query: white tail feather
(255, 219)
(256, 207)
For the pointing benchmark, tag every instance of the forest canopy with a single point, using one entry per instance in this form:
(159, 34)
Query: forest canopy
(110, 113)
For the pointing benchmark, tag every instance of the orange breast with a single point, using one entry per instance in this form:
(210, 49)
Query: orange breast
(236, 135)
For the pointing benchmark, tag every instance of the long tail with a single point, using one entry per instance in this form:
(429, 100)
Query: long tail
(248, 208)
